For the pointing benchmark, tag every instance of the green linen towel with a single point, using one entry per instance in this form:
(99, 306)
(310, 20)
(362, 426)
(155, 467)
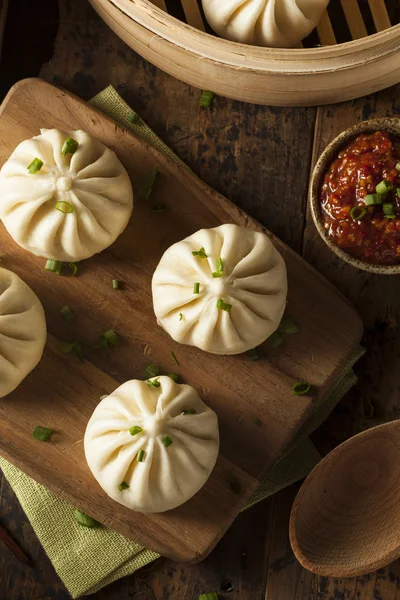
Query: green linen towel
(88, 559)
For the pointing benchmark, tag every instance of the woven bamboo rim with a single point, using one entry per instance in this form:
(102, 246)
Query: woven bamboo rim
(261, 75)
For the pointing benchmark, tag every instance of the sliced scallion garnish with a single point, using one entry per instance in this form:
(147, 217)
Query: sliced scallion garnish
(174, 377)
(35, 166)
(135, 430)
(74, 347)
(109, 338)
(206, 98)
(219, 268)
(133, 117)
(398, 192)
(141, 456)
(200, 253)
(43, 434)
(147, 184)
(388, 210)
(254, 354)
(151, 371)
(372, 199)
(357, 213)
(209, 596)
(84, 519)
(189, 411)
(275, 340)
(154, 382)
(398, 166)
(115, 284)
(55, 266)
(180, 316)
(74, 268)
(223, 305)
(196, 288)
(257, 421)
(288, 326)
(167, 441)
(70, 146)
(384, 187)
(64, 207)
(174, 358)
(123, 486)
(301, 388)
(67, 314)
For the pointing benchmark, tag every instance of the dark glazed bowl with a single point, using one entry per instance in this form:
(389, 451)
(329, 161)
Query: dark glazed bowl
(389, 124)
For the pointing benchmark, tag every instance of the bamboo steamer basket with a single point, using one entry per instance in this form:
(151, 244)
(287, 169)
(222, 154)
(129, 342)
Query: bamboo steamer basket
(301, 76)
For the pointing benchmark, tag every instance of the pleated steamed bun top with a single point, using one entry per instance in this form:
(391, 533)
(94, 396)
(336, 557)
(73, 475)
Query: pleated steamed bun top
(22, 331)
(152, 445)
(223, 289)
(64, 195)
(272, 23)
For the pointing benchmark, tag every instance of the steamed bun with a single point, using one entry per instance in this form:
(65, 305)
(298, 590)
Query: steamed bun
(222, 290)
(152, 445)
(275, 23)
(90, 187)
(22, 331)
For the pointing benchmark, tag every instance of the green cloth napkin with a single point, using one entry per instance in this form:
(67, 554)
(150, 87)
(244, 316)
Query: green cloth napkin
(88, 559)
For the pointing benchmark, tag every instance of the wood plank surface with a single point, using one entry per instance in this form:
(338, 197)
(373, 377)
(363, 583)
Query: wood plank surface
(246, 152)
(236, 388)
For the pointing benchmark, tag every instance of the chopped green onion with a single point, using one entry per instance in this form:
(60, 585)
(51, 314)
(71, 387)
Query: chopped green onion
(74, 268)
(174, 377)
(109, 338)
(147, 184)
(206, 98)
(74, 347)
(257, 421)
(209, 596)
(288, 326)
(189, 411)
(70, 146)
(35, 166)
(398, 166)
(116, 284)
(220, 269)
(133, 117)
(302, 388)
(174, 358)
(234, 483)
(84, 519)
(398, 192)
(43, 434)
(384, 187)
(123, 486)
(67, 313)
(135, 430)
(372, 199)
(276, 339)
(151, 371)
(196, 288)
(388, 210)
(159, 208)
(254, 354)
(180, 316)
(224, 305)
(167, 441)
(357, 213)
(55, 266)
(64, 207)
(200, 253)
(141, 456)
(154, 383)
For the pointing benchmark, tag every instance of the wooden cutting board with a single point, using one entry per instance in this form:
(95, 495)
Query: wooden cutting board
(62, 393)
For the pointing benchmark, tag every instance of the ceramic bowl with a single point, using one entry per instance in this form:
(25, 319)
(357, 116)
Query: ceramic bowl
(389, 124)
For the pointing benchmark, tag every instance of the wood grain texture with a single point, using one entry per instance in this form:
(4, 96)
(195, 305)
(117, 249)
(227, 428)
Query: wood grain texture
(235, 388)
(246, 152)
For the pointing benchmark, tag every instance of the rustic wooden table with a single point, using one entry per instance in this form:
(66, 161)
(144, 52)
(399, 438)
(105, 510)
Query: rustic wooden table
(260, 157)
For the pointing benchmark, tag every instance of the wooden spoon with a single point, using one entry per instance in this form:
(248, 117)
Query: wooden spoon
(345, 519)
